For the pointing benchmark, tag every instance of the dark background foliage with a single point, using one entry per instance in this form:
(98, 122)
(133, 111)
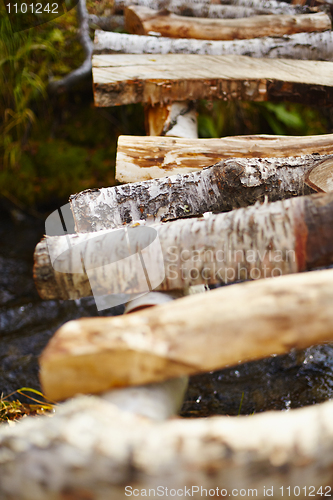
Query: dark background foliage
(53, 146)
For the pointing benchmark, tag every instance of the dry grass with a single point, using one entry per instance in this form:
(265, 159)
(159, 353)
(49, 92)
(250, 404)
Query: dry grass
(12, 411)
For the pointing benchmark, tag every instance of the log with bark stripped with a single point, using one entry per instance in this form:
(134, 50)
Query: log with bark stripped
(124, 79)
(227, 185)
(311, 46)
(144, 158)
(90, 450)
(143, 21)
(200, 6)
(190, 335)
(246, 244)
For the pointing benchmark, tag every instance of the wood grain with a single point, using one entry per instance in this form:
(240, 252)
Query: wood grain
(321, 178)
(143, 158)
(193, 334)
(141, 20)
(151, 79)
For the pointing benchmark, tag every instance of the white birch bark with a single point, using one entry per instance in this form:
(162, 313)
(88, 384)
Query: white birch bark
(249, 243)
(227, 185)
(91, 450)
(310, 46)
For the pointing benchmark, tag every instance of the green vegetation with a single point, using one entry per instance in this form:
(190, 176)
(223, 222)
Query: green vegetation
(15, 410)
(220, 119)
(51, 147)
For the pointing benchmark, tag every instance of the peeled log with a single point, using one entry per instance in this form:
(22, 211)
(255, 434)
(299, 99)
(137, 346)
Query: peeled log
(141, 20)
(200, 7)
(246, 244)
(144, 158)
(227, 185)
(311, 46)
(130, 78)
(91, 450)
(194, 334)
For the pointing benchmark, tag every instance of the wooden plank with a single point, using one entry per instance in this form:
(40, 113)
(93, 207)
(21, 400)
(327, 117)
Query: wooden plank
(143, 158)
(194, 334)
(124, 79)
(141, 20)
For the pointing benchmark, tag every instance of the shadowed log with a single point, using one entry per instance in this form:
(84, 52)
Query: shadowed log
(193, 334)
(141, 20)
(246, 244)
(144, 158)
(124, 79)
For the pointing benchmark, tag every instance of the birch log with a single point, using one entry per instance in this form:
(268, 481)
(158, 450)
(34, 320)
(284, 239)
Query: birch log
(200, 6)
(91, 450)
(142, 21)
(247, 244)
(194, 334)
(128, 78)
(227, 185)
(143, 158)
(213, 11)
(310, 46)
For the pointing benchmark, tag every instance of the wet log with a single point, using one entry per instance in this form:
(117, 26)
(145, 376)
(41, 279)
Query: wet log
(141, 20)
(225, 186)
(190, 335)
(310, 46)
(124, 79)
(182, 6)
(144, 158)
(247, 244)
(89, 449)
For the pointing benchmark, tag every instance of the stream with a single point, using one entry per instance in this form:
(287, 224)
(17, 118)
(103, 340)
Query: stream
(27, 323)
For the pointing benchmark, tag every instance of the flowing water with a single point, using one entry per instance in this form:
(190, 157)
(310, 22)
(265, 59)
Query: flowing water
(27, 323)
